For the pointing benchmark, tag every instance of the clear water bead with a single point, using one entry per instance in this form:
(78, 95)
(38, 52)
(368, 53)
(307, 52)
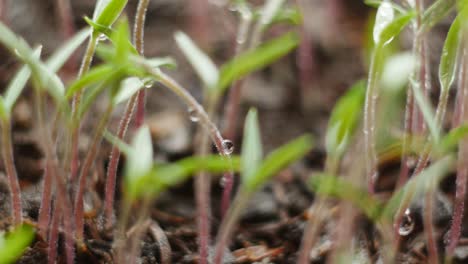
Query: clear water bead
(407, 224)
(193, 115)
(102, 37)
(228, 146)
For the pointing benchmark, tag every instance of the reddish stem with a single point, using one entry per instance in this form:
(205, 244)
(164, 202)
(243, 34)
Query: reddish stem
(462, 168)
(111, 176)
(87, 165)
(46, 200)
(53, 236)
(9, 162)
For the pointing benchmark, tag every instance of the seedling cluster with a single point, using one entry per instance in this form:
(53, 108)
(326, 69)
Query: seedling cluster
(354, 132)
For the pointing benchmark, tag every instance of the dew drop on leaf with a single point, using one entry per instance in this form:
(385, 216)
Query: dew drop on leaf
(228, 146)
(193, 115)
(407, 224)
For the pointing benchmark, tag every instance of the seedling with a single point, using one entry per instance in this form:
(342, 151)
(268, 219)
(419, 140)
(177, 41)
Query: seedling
(255, 173)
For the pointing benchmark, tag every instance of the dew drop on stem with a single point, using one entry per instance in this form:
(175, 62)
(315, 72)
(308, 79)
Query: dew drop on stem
(193, 115)
(407, 224)
(228, 146)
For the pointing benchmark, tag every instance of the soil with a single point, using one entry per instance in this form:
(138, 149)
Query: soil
(272, 226)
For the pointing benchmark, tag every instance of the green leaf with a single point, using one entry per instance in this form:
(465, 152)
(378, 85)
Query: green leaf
(63, 53)
(18, 83)
(425, 181)
(121, 145)
(120, 39)
(110, 12)
(450, 141)
(140, 160)
(95, 75)
(331, 186)
(203, 65)
(344, 119)
(44, 76)
(252, 152)
(288, 15)
(172, 174)
(448, 60)
(128, 87)
(277, 160)
(257, 59)
(435, 13)
(426, 109)
(395, 27)
(4, 112)
(14, 244)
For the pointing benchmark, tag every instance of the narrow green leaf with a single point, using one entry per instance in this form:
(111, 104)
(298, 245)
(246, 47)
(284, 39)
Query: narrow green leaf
(110, 12)
(448, 60)
(288, 15)
(426, 109)
(17, 84)
(450, 141)
(95, 75)
(128, 88)
(395, 27)
(120, 39)
(14, 244)
(121, 145)
(252, 152)
(277, 160)
(203, 65)
(140, 161)
(45, 77)
(257, 59)
(172, 174)
(435, 13)
(344, 119)
(337, 187)
(63, 53)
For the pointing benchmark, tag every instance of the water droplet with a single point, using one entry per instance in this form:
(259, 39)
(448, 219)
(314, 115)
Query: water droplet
(407, 224)
(102, 37)
(193, 115)
(148, 83)
(222, 181)
(17, 53)
(228, 146)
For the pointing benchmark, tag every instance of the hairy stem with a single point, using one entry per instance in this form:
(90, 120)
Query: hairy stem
(87, 165)
(75, 134)
(111, 176)
(138, 101)
(62, 197)
(370, 109)
(462, 168)
(203, 193)
(53, 236)
(8, 160)
(138, 38)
